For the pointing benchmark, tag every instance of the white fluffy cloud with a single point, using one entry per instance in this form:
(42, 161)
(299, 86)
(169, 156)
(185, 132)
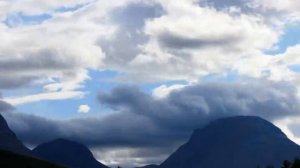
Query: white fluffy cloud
(44, 96)
(191, 41)
(84, 109)
(186, 40)
(56, 54)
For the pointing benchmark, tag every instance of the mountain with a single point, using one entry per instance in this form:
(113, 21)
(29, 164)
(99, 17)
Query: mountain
(11, 160)
(9, 141)
(234, 143)
(69, 153)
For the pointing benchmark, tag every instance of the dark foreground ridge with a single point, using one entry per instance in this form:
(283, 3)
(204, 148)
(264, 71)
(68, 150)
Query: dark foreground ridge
(9, 141)
(69, 153)
(237, 142)
(12, 160)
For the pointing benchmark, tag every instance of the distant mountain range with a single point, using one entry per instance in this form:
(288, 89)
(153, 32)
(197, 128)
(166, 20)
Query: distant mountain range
(236, 142)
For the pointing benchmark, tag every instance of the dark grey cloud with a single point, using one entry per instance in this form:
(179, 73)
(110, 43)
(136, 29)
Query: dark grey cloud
(119, 129)
(12, 82)
(22, 72)
(42, 60)
(4, 107)
(193, 106)
(141, 121)
(32, 129)
(174, 41)
(130, 19)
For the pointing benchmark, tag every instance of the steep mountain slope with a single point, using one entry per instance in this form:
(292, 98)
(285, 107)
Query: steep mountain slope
(9, 141)
(234, 143)
(69, 153)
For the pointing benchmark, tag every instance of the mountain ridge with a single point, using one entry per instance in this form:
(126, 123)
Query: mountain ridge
(68, 153)
(9, 141)
(243, 141)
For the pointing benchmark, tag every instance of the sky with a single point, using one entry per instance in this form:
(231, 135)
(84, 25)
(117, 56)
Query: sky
(132, 79)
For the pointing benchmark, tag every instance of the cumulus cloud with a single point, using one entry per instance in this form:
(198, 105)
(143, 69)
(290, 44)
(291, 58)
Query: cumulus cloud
(190, 41)
(84, 109)
(56, 54)
(141, 122)
(146, 40)
(161, 35)
(45, 51)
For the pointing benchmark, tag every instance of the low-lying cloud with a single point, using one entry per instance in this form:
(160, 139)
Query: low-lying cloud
(4, 107)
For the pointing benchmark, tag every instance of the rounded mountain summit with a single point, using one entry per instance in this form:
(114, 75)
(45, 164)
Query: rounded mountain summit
(236, 142)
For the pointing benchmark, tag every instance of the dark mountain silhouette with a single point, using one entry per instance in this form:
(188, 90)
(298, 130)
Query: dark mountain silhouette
(237, 142)
(69, 153)
(11, 160)
(9, 141)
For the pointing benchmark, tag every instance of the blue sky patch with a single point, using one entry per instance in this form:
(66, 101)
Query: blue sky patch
(290, 38)
(15, 20)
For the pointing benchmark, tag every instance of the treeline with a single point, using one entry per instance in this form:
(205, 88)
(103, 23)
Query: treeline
(286, 164)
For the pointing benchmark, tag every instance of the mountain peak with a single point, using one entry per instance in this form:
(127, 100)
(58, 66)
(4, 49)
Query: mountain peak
(69, 153)
(3, 123)
(9, 141)
(234, 142)
(241, 127)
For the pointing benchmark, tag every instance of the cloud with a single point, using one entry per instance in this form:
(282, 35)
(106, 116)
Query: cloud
(130, 20)
(186, 108)
(15, 101)
(84, 109)
(290, 127)
(35, 7)
(44, 51)
(30, 54)
(141, 122)
(164, 91)
(190, 41)
(43, 55)
(4, 107)
(289, 7)
(174, 41)
(146, 40)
